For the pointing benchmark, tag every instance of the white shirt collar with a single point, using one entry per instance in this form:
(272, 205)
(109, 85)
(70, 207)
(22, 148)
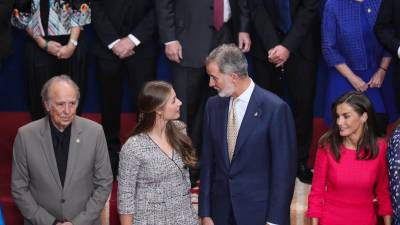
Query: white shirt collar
(246, 95)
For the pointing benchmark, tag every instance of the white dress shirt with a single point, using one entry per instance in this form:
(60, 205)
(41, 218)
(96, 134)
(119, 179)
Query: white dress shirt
(227, 11)
(130, 36)
(241, 103)
(398, 52)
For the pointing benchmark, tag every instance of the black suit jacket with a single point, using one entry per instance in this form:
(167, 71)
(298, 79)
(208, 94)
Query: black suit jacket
(387, 25)
(109, 19)
(5, 29)
(191, 23)
(302, 38)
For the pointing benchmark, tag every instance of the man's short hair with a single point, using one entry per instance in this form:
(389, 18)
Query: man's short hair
(60, 78)
(229, 59)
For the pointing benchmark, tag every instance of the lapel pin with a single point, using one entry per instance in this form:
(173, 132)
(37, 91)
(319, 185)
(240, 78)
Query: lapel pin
(78, 141)
(255, 114)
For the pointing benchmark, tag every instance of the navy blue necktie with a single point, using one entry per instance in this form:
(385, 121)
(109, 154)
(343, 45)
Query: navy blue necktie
(285, 20)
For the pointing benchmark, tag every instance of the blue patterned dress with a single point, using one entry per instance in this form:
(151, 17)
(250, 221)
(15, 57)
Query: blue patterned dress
(393, 155)
(348, 38)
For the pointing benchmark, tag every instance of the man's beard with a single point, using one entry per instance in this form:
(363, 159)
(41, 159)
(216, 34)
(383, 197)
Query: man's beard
(227, 91)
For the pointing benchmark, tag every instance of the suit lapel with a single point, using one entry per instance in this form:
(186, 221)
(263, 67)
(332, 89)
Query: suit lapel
(73, 152)
(249, 122)
(48, 149)
(224, 117)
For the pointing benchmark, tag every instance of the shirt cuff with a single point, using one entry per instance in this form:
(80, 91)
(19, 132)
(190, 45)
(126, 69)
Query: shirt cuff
(398, 52)
(110, 46)
(170, 42)
(134, 39)
(271, 223)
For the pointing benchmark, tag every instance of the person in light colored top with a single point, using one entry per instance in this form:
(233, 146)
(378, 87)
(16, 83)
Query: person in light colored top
(153, 180)
(55, 44)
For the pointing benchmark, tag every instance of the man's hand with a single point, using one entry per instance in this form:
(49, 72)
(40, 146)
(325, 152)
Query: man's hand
(124, 48)
(66, 51)
(207, 221)
(278, 55)
(67, 223)
(244, 42)
(53, 47)
(173, 51)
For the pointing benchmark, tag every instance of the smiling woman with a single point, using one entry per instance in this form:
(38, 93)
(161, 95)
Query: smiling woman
(350, 149)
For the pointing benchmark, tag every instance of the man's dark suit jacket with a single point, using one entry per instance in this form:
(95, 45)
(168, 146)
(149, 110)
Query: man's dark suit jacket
(114, 19)
(303, 37)
(5, 29)
(191, 23)
(387, 29)
(258, 183)
(387, 25)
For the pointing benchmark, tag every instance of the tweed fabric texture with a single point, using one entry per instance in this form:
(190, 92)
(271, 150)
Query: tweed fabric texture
(152, 186)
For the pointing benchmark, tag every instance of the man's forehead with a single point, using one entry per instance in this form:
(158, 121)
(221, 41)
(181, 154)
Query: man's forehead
(62, 90)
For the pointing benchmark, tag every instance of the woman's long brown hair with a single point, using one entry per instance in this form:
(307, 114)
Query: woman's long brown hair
(367, 147)
(153, 96)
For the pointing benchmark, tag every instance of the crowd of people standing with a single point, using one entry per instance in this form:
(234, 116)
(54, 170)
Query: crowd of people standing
(236, 134)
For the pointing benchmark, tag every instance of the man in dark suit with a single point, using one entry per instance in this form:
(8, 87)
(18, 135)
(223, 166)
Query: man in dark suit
(61, 172)
(190, 29)
(286, 49)
(125, 44)
(5, 29)
(248, 160)
(387, 29)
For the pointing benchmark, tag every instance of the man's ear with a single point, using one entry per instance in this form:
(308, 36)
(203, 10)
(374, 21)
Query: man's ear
(235, 76)
(46, 105)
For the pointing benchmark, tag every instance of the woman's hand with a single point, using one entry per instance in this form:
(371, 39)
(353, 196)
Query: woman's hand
(377, 79)
(53, 47)
(66, 51)
(358, 83)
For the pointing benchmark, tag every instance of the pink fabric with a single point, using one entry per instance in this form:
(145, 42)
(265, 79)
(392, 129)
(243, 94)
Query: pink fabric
(342, 193)
(218, 14)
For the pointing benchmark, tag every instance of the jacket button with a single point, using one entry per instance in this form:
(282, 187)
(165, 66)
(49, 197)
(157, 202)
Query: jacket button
(62, 200)
(212, 7)
(211, 27)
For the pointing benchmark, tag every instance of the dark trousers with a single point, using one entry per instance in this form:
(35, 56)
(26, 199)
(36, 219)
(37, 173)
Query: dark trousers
(299, 77)
(41, 66)
(110, 74)
(191, 87)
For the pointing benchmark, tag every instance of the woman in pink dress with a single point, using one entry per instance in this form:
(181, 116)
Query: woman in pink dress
(351, 168)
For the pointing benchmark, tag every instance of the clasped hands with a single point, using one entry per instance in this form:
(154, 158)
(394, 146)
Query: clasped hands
(375, 81)
(278, 55)
(124, 48)
(60, 51)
